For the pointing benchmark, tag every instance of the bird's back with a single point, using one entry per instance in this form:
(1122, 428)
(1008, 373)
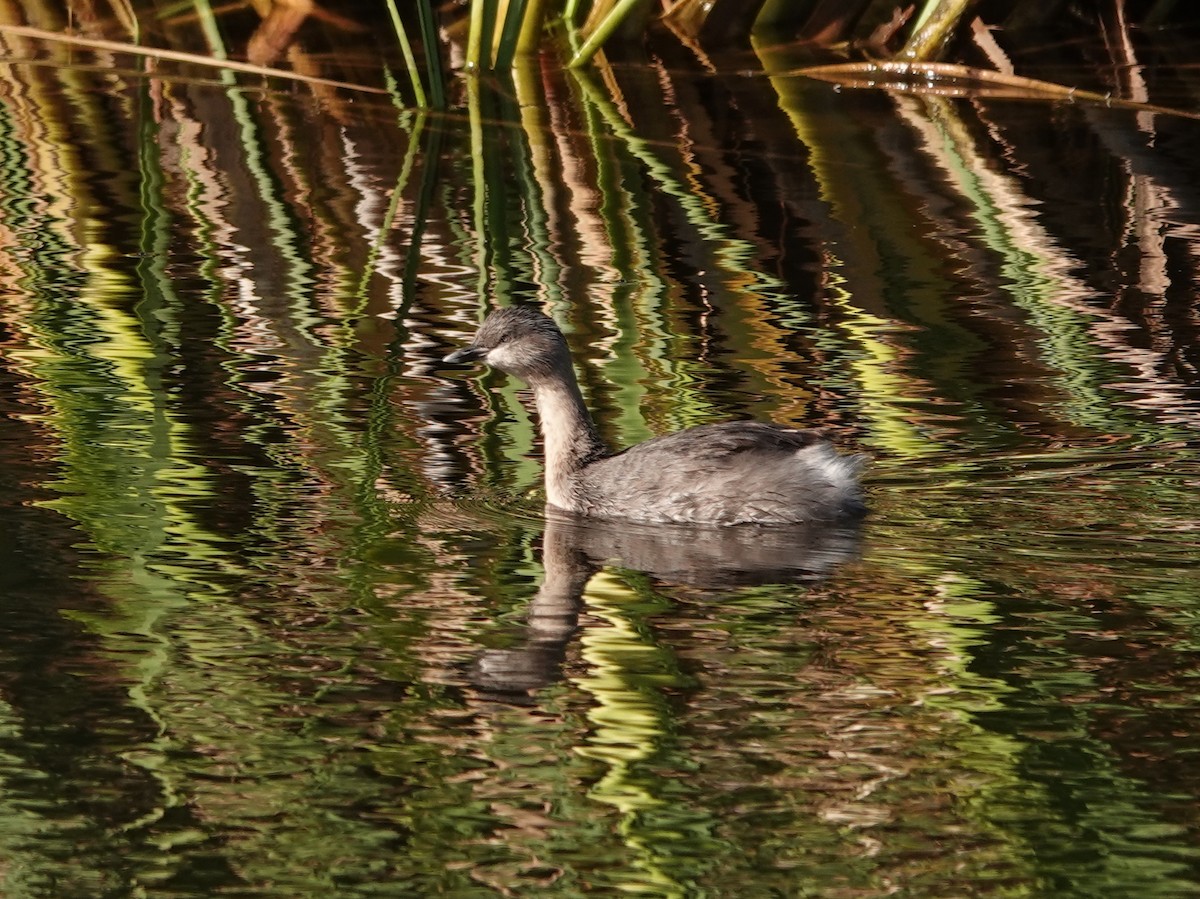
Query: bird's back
(728, 473)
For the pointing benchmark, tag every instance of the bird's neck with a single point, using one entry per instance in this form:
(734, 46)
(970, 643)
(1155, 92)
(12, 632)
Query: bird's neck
(569, 435)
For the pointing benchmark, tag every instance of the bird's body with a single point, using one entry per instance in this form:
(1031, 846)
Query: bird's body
(736, 472)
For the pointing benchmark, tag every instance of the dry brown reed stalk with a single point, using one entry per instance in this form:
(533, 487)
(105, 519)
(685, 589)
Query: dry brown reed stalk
(946, 77)
(179, 56)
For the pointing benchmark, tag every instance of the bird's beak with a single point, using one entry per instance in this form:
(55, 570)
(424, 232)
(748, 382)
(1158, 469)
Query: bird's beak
(466, 354)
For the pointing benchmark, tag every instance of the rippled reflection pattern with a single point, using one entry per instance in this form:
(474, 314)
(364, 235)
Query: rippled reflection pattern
(284, 614)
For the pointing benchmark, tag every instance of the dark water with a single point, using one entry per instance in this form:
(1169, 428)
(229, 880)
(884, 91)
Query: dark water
(282, 614)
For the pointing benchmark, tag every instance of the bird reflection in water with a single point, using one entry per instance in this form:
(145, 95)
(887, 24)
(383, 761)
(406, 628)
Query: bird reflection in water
(576, 548)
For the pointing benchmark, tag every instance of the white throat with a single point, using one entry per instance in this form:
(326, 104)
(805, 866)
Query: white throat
(568, 438)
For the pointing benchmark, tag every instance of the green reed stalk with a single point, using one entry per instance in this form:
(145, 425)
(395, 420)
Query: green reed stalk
(933, 27)
(406, 48)
(433, 62)
(481, 37)
(475, 34)
(603, 30)
(510, 35)
(208, 25)
(531, 28)
(125, 14)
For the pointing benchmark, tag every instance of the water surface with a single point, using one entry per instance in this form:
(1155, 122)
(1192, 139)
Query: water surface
(283, 613)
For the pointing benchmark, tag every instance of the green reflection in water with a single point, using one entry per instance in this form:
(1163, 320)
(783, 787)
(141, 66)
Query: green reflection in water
(882, 388)
(95, 353)
(1037, 272)
(737, 282)
(868, 224)
(308, 722)
(99, 340)
(635, 281)
(631, 723)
